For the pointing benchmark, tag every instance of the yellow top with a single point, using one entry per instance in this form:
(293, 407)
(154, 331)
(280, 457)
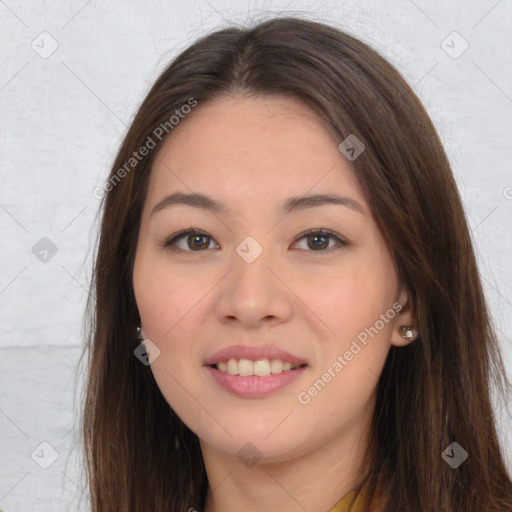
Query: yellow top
(345, 503)
(354, 503)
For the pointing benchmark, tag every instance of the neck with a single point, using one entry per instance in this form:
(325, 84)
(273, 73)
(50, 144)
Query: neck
(314, 481)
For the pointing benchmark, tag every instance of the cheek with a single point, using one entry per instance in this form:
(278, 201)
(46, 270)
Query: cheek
(358, 308)
(172, 305)
(165, 298)
(352, 299)
(169, 304)
(356, 303)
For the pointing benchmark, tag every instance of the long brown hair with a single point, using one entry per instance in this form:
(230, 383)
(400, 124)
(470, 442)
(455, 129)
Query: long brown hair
(139, 455)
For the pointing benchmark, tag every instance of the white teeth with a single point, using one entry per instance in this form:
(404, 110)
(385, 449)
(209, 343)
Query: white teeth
(260, 368)
(232, 367)
(276, 366)
(245, 367)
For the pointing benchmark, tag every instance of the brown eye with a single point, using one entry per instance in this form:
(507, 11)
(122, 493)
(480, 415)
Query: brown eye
(319, 240)
(197, 242)
(189, 240)
(192, 240)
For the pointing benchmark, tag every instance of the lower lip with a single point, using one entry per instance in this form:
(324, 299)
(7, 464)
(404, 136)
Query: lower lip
(253, 386)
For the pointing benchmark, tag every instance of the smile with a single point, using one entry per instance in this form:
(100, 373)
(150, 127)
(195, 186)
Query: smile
(259, 368)
(246, 383)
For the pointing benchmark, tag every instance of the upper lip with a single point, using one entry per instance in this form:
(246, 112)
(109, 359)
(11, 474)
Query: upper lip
(254, 353)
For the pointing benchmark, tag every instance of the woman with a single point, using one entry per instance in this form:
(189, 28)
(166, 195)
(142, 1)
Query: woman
(288, 313)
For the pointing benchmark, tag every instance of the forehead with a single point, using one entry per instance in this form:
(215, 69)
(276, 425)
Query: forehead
(257, 147)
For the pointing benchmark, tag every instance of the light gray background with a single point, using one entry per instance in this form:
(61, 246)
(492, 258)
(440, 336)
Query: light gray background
(63, 117)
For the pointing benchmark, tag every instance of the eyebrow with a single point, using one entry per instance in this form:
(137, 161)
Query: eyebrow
(292, 204)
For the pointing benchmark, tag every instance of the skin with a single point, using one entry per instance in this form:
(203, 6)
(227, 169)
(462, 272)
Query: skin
(253, 154)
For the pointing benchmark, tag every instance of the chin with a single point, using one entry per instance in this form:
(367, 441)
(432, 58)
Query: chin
(251, 446)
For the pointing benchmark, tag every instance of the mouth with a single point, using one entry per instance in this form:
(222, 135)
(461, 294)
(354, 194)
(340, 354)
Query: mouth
(254, 371)
(259, 368)
(250, 379)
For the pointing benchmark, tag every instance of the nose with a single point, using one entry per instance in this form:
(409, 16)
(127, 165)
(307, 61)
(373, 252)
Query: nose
(254, 294)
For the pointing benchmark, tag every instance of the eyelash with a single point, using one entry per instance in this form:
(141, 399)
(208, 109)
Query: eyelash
(168, 243)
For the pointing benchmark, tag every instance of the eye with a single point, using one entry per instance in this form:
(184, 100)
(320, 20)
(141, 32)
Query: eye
(194, 239)
(320, 239)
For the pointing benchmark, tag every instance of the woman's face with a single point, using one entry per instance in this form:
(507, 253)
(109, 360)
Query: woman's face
(253, 291)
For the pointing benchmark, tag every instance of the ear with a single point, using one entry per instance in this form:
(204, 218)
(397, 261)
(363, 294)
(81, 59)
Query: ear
(405, 329)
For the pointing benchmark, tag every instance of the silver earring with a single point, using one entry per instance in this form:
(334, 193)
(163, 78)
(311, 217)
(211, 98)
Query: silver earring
(408, 332)
(139, 333)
